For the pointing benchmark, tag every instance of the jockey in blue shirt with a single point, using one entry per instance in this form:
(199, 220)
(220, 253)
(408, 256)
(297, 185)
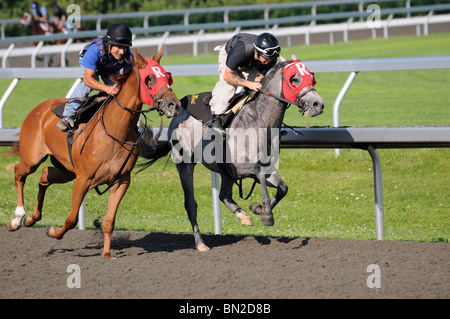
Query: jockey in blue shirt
(40, 14)
(104, 57)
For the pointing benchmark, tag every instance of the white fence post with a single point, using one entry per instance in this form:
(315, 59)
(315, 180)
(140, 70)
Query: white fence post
(216, 203)
(339, 99)
(5, 98)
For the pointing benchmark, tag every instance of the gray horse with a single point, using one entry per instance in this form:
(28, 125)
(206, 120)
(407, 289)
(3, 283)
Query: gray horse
(250, 149)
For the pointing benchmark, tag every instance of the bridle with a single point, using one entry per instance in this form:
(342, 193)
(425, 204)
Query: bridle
(158, 102)
(302, 93)
(158, 105)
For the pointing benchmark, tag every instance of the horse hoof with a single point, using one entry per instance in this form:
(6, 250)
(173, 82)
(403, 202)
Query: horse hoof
(244, 218)
(267, 220)
(12, 227)
(256, 208)
(51, 232)
(202, 248)
(27, 223)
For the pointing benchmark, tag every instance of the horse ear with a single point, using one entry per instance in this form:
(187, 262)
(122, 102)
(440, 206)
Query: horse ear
(138, 56)
(157, 56)
(282, 58)
(140, 60)
(294, 57)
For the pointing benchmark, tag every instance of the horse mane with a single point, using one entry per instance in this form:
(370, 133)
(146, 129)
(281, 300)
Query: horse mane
(272, 72)
(136, 63)
(119, 78)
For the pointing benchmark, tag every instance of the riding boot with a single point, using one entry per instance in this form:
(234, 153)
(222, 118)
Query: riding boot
(66, 123)
(217, 125)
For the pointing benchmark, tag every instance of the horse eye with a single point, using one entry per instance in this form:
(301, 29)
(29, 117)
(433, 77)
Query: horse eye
(296, 80)
(150, 81)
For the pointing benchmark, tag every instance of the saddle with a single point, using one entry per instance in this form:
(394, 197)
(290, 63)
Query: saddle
(198, 106)
(87, 110)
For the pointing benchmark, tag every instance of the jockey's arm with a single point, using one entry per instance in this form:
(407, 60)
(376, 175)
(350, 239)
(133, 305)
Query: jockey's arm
(91, 82)
(233, 78)
(59, 22)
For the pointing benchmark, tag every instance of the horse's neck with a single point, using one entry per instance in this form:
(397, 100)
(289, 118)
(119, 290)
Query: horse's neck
(125, 120)
(264, 111)
(128, 95)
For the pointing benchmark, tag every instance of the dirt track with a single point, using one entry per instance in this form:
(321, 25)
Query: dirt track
(160, 265)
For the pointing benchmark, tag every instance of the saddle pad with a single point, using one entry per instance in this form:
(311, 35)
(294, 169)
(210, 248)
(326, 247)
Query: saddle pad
(59, 110)
(196, 106)
(87, 110)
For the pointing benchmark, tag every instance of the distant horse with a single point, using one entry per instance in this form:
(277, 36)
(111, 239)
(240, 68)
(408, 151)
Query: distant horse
(104, 150)
(27, 20)
(250, 148)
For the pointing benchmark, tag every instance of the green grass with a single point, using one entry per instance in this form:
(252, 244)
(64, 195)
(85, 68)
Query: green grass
(328, 197)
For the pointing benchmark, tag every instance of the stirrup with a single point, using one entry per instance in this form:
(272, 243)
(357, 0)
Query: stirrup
(216, 124)
(66, 123)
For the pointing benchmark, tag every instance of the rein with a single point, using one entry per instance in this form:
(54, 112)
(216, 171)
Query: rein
(158, 104)
(298, 97)
(282, 99)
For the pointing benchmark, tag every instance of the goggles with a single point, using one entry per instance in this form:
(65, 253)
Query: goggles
(269, 52)
(125, 42)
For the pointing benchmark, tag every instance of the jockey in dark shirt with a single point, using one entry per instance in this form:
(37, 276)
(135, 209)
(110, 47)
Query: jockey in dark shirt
(243, 61)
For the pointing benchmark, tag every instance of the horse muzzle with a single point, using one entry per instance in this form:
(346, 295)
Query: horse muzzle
(315, 109)
(169, 108)
(312, 104)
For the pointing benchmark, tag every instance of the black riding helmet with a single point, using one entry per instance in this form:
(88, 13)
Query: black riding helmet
(267, 45)
(119, 35)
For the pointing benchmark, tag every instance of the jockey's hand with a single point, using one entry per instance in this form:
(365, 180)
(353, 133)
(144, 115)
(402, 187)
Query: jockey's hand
(112, 90)
(254, 86)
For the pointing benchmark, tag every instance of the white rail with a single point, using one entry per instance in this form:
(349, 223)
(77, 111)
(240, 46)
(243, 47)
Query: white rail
(183, 33)
(352, 66)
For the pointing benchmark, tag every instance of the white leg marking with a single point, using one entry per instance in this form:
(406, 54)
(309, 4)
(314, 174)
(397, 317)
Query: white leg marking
(20, 214)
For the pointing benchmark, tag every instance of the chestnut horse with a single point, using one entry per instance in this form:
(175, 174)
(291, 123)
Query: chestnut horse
(104, 150)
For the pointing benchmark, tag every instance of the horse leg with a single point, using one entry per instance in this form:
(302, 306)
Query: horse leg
(226, 196)
(274, 180)
(186, 172)
(264, 210)
(80, 189)
(19, 180)
(50, 175)
(116, 194)
(21, 171)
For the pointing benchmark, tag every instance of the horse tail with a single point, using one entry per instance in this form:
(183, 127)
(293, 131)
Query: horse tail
(151, 149)
(14, 150)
